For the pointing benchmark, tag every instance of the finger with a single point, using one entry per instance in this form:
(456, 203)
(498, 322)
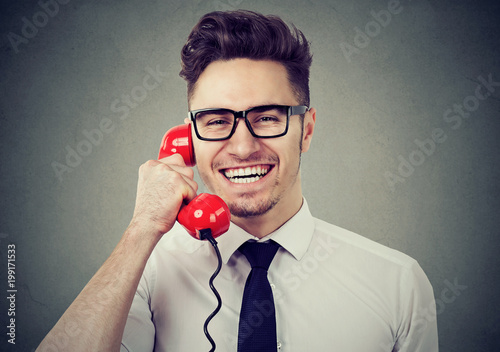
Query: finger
(192, 187)
(174, 159)
(182, 169)
(167, 173)
(186, 171)
(176, 162)
(190, 191)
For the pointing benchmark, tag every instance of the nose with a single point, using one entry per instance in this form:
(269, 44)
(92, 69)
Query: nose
(242, 144)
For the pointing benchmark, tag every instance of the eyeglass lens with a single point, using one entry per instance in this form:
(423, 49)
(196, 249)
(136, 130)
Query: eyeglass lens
(265, 121)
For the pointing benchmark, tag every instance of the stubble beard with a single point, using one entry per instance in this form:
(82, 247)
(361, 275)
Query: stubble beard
(246, 207)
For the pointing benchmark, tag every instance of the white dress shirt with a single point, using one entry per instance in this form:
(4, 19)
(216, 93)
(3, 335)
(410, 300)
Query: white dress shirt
(334, 291)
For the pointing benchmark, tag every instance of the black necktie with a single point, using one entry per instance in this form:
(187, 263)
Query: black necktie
(257, 327)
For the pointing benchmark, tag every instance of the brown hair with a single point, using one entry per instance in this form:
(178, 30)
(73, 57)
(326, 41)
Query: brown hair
(246, 34)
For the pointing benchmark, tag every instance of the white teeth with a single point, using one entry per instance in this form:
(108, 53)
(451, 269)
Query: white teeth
(245, 179)
(241, 175)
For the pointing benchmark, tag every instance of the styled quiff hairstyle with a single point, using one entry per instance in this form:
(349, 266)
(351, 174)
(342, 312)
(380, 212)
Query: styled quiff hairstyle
(246, 34)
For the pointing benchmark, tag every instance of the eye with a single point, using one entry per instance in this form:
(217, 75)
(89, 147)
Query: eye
(214, 118)
(267, 115)
(267, 118)
(216, 122)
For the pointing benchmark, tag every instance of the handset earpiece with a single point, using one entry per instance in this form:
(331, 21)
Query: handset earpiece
(205, 211)
(178, 140)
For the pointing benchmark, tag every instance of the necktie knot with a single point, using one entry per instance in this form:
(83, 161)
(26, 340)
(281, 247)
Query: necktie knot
(259, 255)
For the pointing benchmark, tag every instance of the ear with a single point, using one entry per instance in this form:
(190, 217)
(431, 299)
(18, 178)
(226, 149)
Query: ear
(309, 121)
(186, 120)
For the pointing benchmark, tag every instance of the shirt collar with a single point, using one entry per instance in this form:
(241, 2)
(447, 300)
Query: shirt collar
(294, 235)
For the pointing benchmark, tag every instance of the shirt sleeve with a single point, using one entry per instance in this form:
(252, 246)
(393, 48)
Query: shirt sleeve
(418, 329)
(139, 333)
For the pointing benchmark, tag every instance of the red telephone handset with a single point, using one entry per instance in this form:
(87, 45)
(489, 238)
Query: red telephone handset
(205, 211)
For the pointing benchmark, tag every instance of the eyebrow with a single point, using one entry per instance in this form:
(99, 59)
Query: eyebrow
(264, 104)
(250, 107)
(266, 107)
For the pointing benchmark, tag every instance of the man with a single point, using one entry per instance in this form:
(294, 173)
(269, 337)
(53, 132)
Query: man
(330, 289)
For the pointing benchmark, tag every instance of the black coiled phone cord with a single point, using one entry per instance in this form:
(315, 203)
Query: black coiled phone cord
(206, 234)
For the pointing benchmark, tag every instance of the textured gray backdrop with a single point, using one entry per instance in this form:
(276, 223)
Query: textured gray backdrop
(406, 148)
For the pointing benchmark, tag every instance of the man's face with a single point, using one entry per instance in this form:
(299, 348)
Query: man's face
(273, 188)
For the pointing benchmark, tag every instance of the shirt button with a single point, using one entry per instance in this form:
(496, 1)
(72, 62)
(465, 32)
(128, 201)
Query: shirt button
(273, 286)
(279, 345)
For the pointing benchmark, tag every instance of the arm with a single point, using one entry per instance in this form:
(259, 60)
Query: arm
(418, 331)
(96, 319)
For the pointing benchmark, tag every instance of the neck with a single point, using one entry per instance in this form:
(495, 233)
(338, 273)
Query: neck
(262, 225)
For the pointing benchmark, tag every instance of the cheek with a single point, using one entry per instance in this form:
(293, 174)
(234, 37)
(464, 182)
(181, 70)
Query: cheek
(294, 146)
(205, 153)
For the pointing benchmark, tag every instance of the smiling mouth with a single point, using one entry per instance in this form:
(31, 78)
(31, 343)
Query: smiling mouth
(247, 174)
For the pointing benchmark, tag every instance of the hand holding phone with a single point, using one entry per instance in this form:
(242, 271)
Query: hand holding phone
(206, 211)
(162, 188)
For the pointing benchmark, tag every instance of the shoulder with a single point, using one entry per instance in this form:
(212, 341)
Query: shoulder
(177, 240)
(172, 247)
(364, 264)
(354, 247)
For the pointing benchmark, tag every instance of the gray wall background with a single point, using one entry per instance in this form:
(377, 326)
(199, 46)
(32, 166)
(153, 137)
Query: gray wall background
(61, 78)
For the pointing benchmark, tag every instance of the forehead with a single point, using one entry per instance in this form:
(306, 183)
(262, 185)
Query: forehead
(239, 84)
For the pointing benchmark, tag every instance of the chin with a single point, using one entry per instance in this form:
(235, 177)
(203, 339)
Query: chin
(248, 208)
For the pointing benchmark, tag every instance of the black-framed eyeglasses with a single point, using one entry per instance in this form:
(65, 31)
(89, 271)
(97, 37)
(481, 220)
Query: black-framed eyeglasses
(268, 121)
